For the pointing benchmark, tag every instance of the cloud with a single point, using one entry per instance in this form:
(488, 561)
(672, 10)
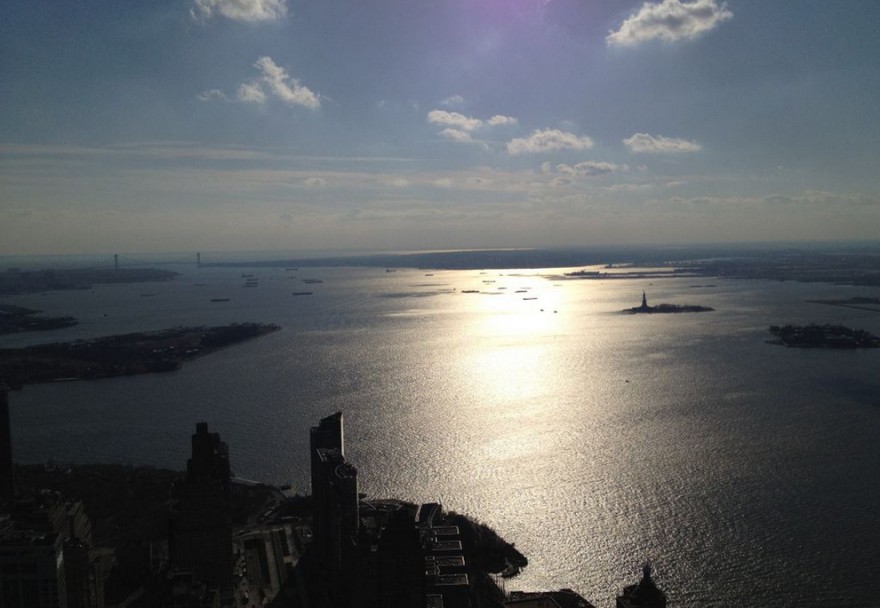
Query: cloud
(454, 120)
(649, 144)
(456, 135)
(212, 95)
(287, 89)
(459, 128)
(315, 182)
(806, 201)
(548, 140)
(251, 92)
(452, 101)
(499, 120)
(586, 169)
(275, 81)
(669, 21)
(250, 11)
(561, 182)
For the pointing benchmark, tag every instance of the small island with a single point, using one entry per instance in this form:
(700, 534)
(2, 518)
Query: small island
(138, 353)
(664, 308)
(15, 319)
(823, 336)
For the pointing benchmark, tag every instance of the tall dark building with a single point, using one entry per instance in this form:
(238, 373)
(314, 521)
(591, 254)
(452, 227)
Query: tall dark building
(33, 568)
(201, 526)
(336, 516)
(7, 487)
(328, 435)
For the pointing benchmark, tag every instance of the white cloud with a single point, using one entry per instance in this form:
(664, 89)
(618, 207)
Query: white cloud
(315, 182)
(212, 95)
(460, 127)
(499, 120)
(670, 21)
(548, 140)
(452, 101)
(443, 182)
(561, 182)
(240, 10)
(629, 187)
(287, 89)
(454, 120)
(275, 81)
(649, 144)
(251, 92)
(806, 201)
(456, 135)
(588, 168)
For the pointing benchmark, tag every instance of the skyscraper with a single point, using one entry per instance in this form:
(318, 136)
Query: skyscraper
(328, 435)
(336, 508)
(7, 487)
(201, 526)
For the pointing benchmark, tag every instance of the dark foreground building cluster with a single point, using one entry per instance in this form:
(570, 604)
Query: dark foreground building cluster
(231, 543)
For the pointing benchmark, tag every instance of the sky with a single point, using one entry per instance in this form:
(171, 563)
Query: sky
(207, 125)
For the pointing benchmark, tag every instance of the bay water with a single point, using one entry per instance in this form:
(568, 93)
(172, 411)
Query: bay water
(594, 440)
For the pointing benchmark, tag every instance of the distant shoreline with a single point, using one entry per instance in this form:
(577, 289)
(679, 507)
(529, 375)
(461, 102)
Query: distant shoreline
(15, 281)
(854, 266)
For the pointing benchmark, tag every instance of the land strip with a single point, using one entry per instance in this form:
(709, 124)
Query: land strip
(122, 355)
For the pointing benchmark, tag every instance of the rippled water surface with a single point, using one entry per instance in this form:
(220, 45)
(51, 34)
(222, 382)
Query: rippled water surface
(746, 472)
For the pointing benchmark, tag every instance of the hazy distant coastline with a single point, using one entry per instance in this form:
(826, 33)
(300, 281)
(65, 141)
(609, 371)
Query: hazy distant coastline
(855, 263)
(852, 264)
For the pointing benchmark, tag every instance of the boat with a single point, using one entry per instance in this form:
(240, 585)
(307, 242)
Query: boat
(312, 281)
(301, 293)
(532, 298)
(219, 299)
(470, 291)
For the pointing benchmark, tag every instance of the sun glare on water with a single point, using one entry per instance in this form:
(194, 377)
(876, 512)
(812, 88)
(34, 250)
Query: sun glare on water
(513, 357)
